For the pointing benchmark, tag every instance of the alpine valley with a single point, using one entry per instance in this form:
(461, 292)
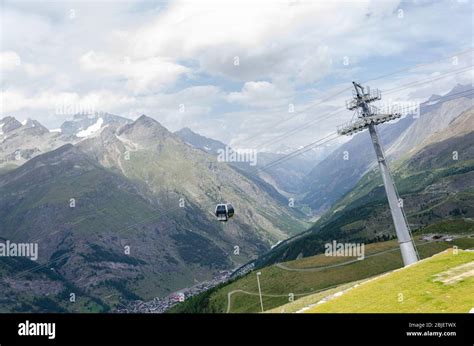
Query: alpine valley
(122, 210)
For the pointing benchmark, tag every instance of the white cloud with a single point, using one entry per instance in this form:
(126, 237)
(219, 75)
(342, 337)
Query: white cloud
(9, 60)
(13, 68)
(58, 106)
(281, 39)
(143, 75)
(37, 70)
(260, 94)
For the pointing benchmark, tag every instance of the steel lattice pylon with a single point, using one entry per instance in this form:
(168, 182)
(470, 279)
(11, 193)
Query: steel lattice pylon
(368, 117)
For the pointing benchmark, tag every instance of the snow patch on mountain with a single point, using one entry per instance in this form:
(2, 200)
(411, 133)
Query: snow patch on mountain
(91, 129)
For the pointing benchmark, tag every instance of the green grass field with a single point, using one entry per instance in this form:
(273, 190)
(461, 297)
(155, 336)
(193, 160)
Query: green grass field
(443, 283)
(308, 276)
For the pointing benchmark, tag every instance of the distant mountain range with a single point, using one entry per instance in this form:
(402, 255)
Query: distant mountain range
(435, 181)
(334, 176)
(287, 176)
(83, 125)
(20, 142)
(136, 186)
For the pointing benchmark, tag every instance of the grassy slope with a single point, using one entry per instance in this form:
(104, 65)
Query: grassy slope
(305, 301)
(278, 283)
(419, 286)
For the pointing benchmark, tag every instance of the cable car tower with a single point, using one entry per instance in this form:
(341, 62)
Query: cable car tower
(368, 117)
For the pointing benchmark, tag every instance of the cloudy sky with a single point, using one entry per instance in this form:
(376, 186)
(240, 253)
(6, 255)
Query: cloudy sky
(242, 72)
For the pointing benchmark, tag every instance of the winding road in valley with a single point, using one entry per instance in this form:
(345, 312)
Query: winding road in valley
(312, 269)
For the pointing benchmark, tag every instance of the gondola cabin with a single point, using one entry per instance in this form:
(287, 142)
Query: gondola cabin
(224, 212)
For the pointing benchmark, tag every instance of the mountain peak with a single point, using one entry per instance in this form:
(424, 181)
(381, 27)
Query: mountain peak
(9, 124)
(459, 88)
(144, 127)
(34, 127)
(185, 130)
(146, 121)
(198, 141)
